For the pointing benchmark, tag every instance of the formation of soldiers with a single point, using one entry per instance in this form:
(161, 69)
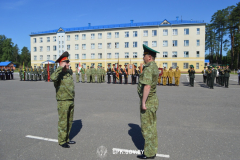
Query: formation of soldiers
(6, 73)
(221, 73)
(91, 74)
(168, 75)
(34, 74)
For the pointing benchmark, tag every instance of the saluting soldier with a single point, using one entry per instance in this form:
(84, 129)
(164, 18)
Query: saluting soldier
(204, 72)
(149, 103)
(114, 73)
(170, 76)
(177, 75)
(191, 73)
(98, 74)
(109, 72)
(165, 75)
(125, 74)
(120, 73)
(227, 72)
(77, 75)
(88, 74)
(63, 82)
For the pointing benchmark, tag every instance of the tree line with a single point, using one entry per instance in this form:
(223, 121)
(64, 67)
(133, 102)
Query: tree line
(10, 52)
(223, 34)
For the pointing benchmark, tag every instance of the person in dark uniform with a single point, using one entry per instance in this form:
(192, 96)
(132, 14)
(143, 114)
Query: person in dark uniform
(11, 73)
(125, 74)
(120, 74)
(210, 77)
(191, 72)
(227, 72)
(103, 75)
(114, 73)
(222, 75)
(109, 72)
(217, 74)
(134, 76)
(204, 72)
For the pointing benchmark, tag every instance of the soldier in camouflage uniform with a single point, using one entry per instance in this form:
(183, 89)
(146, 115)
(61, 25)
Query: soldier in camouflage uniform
(83, 74)
(149, 103)
(227, 72)
(88, 73)
(63, 82)
(98, 72)
(77, 75)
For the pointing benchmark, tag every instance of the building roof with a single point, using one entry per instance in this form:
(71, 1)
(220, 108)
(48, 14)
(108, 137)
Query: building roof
(5, 63)
(124, 25)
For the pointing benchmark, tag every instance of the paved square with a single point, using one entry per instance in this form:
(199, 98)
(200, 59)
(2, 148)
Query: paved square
(194, 123)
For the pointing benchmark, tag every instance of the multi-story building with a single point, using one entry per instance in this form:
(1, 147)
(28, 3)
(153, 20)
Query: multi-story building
(180, 43)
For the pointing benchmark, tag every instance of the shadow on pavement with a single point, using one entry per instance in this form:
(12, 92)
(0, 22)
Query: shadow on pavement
(185, 83)
(76, 127)
(136, 134)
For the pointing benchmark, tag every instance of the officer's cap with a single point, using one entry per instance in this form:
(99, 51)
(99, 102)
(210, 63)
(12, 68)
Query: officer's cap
(120, 65)
(63, 58)
(113, 64)
(149, 51)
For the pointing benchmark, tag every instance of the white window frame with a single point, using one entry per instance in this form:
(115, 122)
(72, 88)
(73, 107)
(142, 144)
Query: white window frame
(165, 43)
(154, 33)
(68, 47)
(165, 65)
(68, 37)
(116, 34)
(198, 42)
(92, 55)
(174, 54)
(92, 36)
(54, 57)
(54, 39)
(83, 36)
(109, 45)
(185, 65)
(35, 58)
(135, 45)
(41, 57)
(54, 48)
(83, 46)
(175, 32)
(109, 55)
(40, 39)
(174, 65)
(186, 43)
(126, 44)
(76, 37)
(48, 57)
(135, 55)
(76, 46)
(41, 48)
(109, 35)
(186, 31)
(154, 43)
(99, 35)
(197, 53)
(76, 56)
(174, 43)
(48, 39)
(186, 54)
(198, 31)
(99, 55)
(35, 49)
(84, 56)
(34, 40)
(165, 32)
(48, 48)
(126, 54)
(116, 55)
(92, 45)
(99, 45)
(165, 54)
(145, 43)
(127, 34)
(145, 33)
(116, 44)
(197, 65)
(135, 33)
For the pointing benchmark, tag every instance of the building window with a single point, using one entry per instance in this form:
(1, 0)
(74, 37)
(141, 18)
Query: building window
(84, 56)
(83, 36)
(126, 44)
(100, 64)
(48, 48)
(185, 65)
(59, 46)
(197, 65)
(92, 36)
(126, 64)
(62, 46)
(34, 40)
(99, 45)
(174, 65)
(54, 48)
(165, 43)
(68, 37)
(54, 39)
(175, 32)
(165, 54)
(145, 43)
(154, 33)
(108, 45)
(145, 33)
(186, 54)
(174, 54)
(76, 56)
(134, 44)
(165, 65)
(62, 42)
(134, 54)
(92, 55)
(41, 48)
(68, 47)
(154, 43)
(134, 33)
(92, 45)
(76, 46)
(59, 51)
(186, 42)
(41, 57)
(99, 55)
(174, 43)
(116, 44)
(84, 65)
(35, 58)
(54, 57)
(99, 35)
(186, 31)
(76, 37)
(48, 57)
(35, 49)
(69, 57)
(165, 32)
(93, 64)
(41, 40)
(198, 30)
(116, 34)
(116, 55)
(126, 34)
(83, 46)
(109, 35)
(198, 42)
(126, 55)
(48, 39)
(109, 55)
(198, 54)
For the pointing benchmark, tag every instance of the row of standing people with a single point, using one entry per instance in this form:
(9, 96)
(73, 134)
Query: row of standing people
(168, 75)
(6, 73)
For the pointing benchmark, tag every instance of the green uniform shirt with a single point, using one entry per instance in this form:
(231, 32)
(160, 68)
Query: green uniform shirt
(149, 76)
(227, 72)
(63, 82)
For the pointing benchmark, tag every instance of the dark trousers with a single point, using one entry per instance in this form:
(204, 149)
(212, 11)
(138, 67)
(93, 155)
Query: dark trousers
(204, 79)
(126, 79)
(217, 79)
(109, 78)
(222, 80)
(120, 78)
(226, 81)
(114, 78)
(133, 79)
(238, 79)
(192, 82)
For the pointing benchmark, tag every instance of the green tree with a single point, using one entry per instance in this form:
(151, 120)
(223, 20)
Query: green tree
(25, 56)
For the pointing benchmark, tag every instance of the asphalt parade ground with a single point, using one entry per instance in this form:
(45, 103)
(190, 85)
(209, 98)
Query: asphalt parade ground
(193, 123)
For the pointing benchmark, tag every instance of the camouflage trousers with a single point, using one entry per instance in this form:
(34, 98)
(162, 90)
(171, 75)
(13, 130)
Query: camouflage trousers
(83, 78)
(149, 126)
(98, 78)
(77, 78)
(65, 115)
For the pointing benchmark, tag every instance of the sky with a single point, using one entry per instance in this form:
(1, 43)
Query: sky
(18, 18)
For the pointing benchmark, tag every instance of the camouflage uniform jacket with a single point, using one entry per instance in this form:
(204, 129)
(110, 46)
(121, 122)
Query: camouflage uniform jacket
(63, 82)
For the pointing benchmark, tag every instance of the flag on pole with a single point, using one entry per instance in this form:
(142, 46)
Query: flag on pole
(23, 66)
(79, 67)
(48, 78)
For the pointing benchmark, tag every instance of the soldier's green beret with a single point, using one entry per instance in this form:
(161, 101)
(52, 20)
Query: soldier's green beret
(149, 51)
(227, 64)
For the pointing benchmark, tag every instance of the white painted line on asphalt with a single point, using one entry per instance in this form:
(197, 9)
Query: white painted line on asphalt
(127, 151)
(187, 78)
(42, 138)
